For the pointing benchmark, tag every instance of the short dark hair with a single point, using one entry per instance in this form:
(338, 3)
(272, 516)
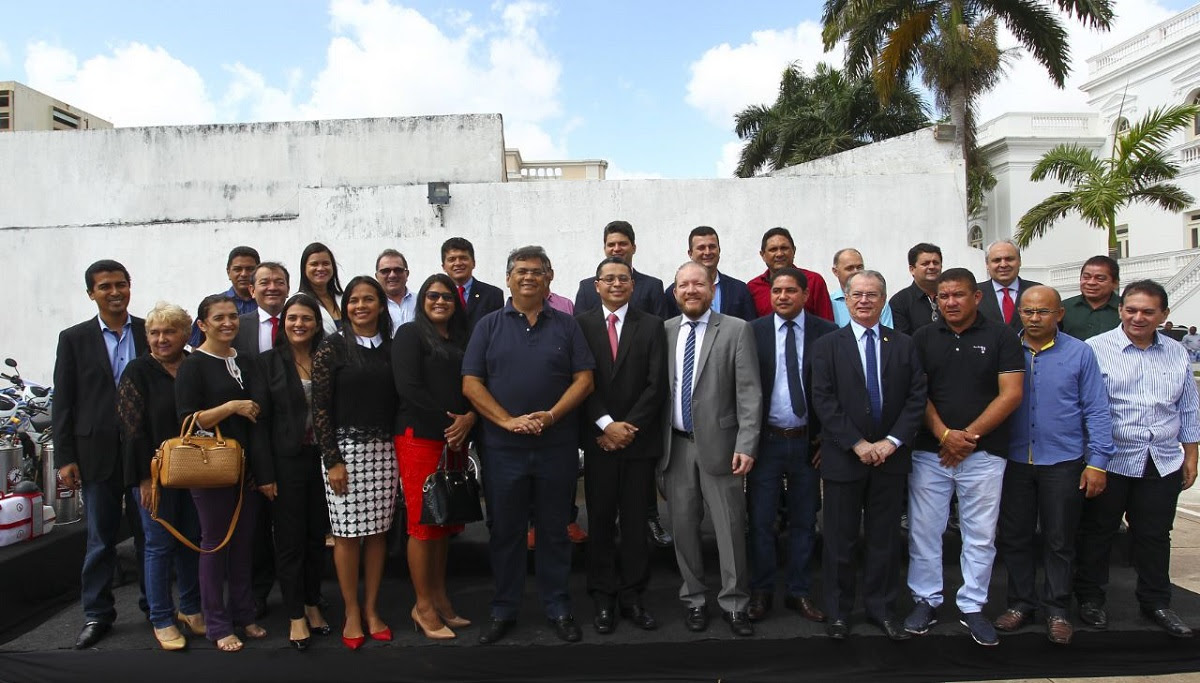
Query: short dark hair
(274, 265)
(1114, 270)
(622, 227)
(794, 273)
(960, 275)
(701, 231)
(776, 232)
(103, 266)
(209, 301)
(242, 251)
(335, 283)
(385, 317)
(617, 260)
(393, 254)
(526, 253)
(1147, 287)
(457, 244)
(923, 248)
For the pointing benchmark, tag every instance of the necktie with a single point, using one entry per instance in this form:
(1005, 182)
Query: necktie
(462, 297)
(873, 392)
(274, 328)
(685, 385)
(1009, 306)
(612, 334)
(792, 362)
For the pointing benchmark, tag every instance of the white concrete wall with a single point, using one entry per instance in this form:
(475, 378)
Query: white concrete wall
(907, 198)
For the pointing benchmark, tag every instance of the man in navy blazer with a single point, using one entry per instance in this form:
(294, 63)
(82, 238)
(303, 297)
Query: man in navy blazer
(478, 298)
(786, 447)
(1003, 289)
(868, 426)
(87, 439)
(620, 241)
(731, 296)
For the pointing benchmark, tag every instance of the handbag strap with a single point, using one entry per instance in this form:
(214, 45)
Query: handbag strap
(237, 511)
(189, 427)
(460, 460)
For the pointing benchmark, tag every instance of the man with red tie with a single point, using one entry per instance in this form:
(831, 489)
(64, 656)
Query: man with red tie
(257, 329)
(1004, 288)
(477, 297)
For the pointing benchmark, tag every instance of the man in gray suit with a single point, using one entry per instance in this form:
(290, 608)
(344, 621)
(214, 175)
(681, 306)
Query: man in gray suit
(711, 438)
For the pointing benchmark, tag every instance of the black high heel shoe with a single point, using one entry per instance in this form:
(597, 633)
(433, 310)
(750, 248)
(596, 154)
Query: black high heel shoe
(320, 630)
(300, 645)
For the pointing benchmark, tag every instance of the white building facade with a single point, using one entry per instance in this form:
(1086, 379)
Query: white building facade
(1159, 67)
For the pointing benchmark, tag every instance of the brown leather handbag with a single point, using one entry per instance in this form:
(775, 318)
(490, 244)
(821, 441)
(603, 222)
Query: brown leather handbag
(191, 461)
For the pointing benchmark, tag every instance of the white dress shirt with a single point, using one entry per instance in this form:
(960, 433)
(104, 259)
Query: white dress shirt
(680, 348)
(404, 311)
(605, 420)
(265, 342)
(1012, 292)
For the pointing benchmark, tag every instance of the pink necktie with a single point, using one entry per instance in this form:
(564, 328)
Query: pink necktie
(612, 333)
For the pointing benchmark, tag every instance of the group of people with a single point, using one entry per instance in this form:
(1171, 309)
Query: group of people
(761, 404)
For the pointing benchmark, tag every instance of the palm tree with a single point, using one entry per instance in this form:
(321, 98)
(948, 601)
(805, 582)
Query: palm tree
(1135, 172)
(821, 115)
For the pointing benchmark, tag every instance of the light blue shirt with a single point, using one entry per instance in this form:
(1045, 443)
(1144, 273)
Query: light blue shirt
(781, 414)
(841, 314)
(860, 336)
(404, 311)
(119, 345)
(716, 304)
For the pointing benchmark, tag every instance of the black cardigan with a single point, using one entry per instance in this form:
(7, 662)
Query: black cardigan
(285, 411)
(146, 412)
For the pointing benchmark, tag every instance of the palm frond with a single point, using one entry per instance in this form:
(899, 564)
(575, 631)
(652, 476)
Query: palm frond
(1155, 129)
(1068, 164)
(1165, 196)
(1037, 27)
(1042, 216)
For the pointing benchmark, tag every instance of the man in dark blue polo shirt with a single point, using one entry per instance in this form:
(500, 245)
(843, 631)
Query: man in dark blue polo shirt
(526, 370)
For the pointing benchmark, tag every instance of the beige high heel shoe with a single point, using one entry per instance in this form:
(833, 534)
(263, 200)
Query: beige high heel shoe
(193, 623)
(170, 638)
(443, 633)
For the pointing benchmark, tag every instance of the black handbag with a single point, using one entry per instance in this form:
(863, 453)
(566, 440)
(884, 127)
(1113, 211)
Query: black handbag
(451, 493)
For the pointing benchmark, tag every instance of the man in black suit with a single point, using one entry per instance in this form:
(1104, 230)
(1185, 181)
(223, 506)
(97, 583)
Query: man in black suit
(1003, 289)
(786, 447)
(619, 241)
(257, 329)
(87, 441)
(621, 443)
(731, 296)
(478, 298)
(869, 392)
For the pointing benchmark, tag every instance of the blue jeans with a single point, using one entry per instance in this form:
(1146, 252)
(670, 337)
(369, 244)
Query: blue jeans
(779, 457)
(102, 511)
(176, 507)
(978, 481)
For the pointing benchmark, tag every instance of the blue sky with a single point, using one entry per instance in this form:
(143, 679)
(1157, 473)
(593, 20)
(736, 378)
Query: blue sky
(649, 86)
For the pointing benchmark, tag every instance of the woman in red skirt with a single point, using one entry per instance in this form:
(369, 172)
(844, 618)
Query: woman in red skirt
(427, 356)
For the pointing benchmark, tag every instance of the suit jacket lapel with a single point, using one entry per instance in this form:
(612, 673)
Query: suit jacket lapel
(628, 329)
(710, 339)
(101, 346)
(672, 342)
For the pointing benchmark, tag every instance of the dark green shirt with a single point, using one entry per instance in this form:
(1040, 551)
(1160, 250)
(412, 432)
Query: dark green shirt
(1082, 321)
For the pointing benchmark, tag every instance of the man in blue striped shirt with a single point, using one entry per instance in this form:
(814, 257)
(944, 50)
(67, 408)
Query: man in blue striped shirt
(1060, 444)
(1154, 410)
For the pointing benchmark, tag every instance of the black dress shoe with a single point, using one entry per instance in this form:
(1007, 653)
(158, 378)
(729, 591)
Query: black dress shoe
(837, 629)
(91, 634)
(697, 619)
(605, 620)
(660, 536)
(805, 606)
(1169, 621)
(494, 630)
(566, 629)
(760, 604)
(739, 623)
(891, 628)
(1093, 615)
(640, 616)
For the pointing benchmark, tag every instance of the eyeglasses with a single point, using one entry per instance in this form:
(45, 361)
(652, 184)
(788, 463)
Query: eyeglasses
(609, 279)
(1041, 312)
(433, 297)
(392, 271)
(865, 296)
(529, 272)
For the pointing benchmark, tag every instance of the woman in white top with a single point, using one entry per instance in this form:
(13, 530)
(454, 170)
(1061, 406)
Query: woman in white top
(319, 279)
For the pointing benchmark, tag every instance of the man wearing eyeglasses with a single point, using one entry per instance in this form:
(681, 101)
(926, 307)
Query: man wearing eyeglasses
(1060, 445)
(391, 269)
(1097, 308)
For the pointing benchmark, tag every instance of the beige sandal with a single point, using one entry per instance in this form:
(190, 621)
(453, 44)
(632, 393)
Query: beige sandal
(230, 643)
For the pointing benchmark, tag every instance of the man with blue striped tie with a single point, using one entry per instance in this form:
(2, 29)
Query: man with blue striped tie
(710, 443)
(1154, 411)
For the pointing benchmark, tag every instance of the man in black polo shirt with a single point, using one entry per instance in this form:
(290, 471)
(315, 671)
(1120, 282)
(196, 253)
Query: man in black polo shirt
(975, 369)
(527, 368)
(916, 305)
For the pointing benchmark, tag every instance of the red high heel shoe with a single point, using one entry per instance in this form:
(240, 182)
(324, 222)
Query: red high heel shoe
(384, 635)
(354, 643)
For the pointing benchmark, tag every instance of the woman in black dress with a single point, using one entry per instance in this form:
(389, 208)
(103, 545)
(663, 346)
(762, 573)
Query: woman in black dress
(298, 494)
(427, 359)
(215, 382)
(354, 411)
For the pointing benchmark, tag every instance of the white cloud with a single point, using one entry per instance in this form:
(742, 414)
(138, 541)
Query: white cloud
(727, 79)
(730, 153)
(1027, 86)
(134, 85)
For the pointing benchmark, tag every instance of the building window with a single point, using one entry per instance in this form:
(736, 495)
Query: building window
(5, 98)
(1196, 120)
(1193, 230)
(975, 237)
(1123, 241)
(5, 120)
(64, 120)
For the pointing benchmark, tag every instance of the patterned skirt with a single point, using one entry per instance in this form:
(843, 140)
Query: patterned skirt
(370, 501)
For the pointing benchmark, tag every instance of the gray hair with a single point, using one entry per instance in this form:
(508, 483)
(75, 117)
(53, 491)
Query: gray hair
(169, 314)
(527, 253)
(997, 242)
(868, 273)
(838, 254)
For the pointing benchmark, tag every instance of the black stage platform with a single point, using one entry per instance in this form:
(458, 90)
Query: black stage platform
(785, 648)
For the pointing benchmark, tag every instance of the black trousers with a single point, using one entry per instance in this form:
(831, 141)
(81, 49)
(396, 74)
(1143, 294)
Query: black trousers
(301, 519)
(880, 496)
(1049, 493)
(617, 488)
(1148, 502)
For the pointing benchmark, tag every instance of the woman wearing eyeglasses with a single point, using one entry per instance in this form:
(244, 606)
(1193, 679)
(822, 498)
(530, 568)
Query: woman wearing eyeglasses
(427, 365)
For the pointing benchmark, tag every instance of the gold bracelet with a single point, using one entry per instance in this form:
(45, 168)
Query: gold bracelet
(1093, 467)
(944, 435)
